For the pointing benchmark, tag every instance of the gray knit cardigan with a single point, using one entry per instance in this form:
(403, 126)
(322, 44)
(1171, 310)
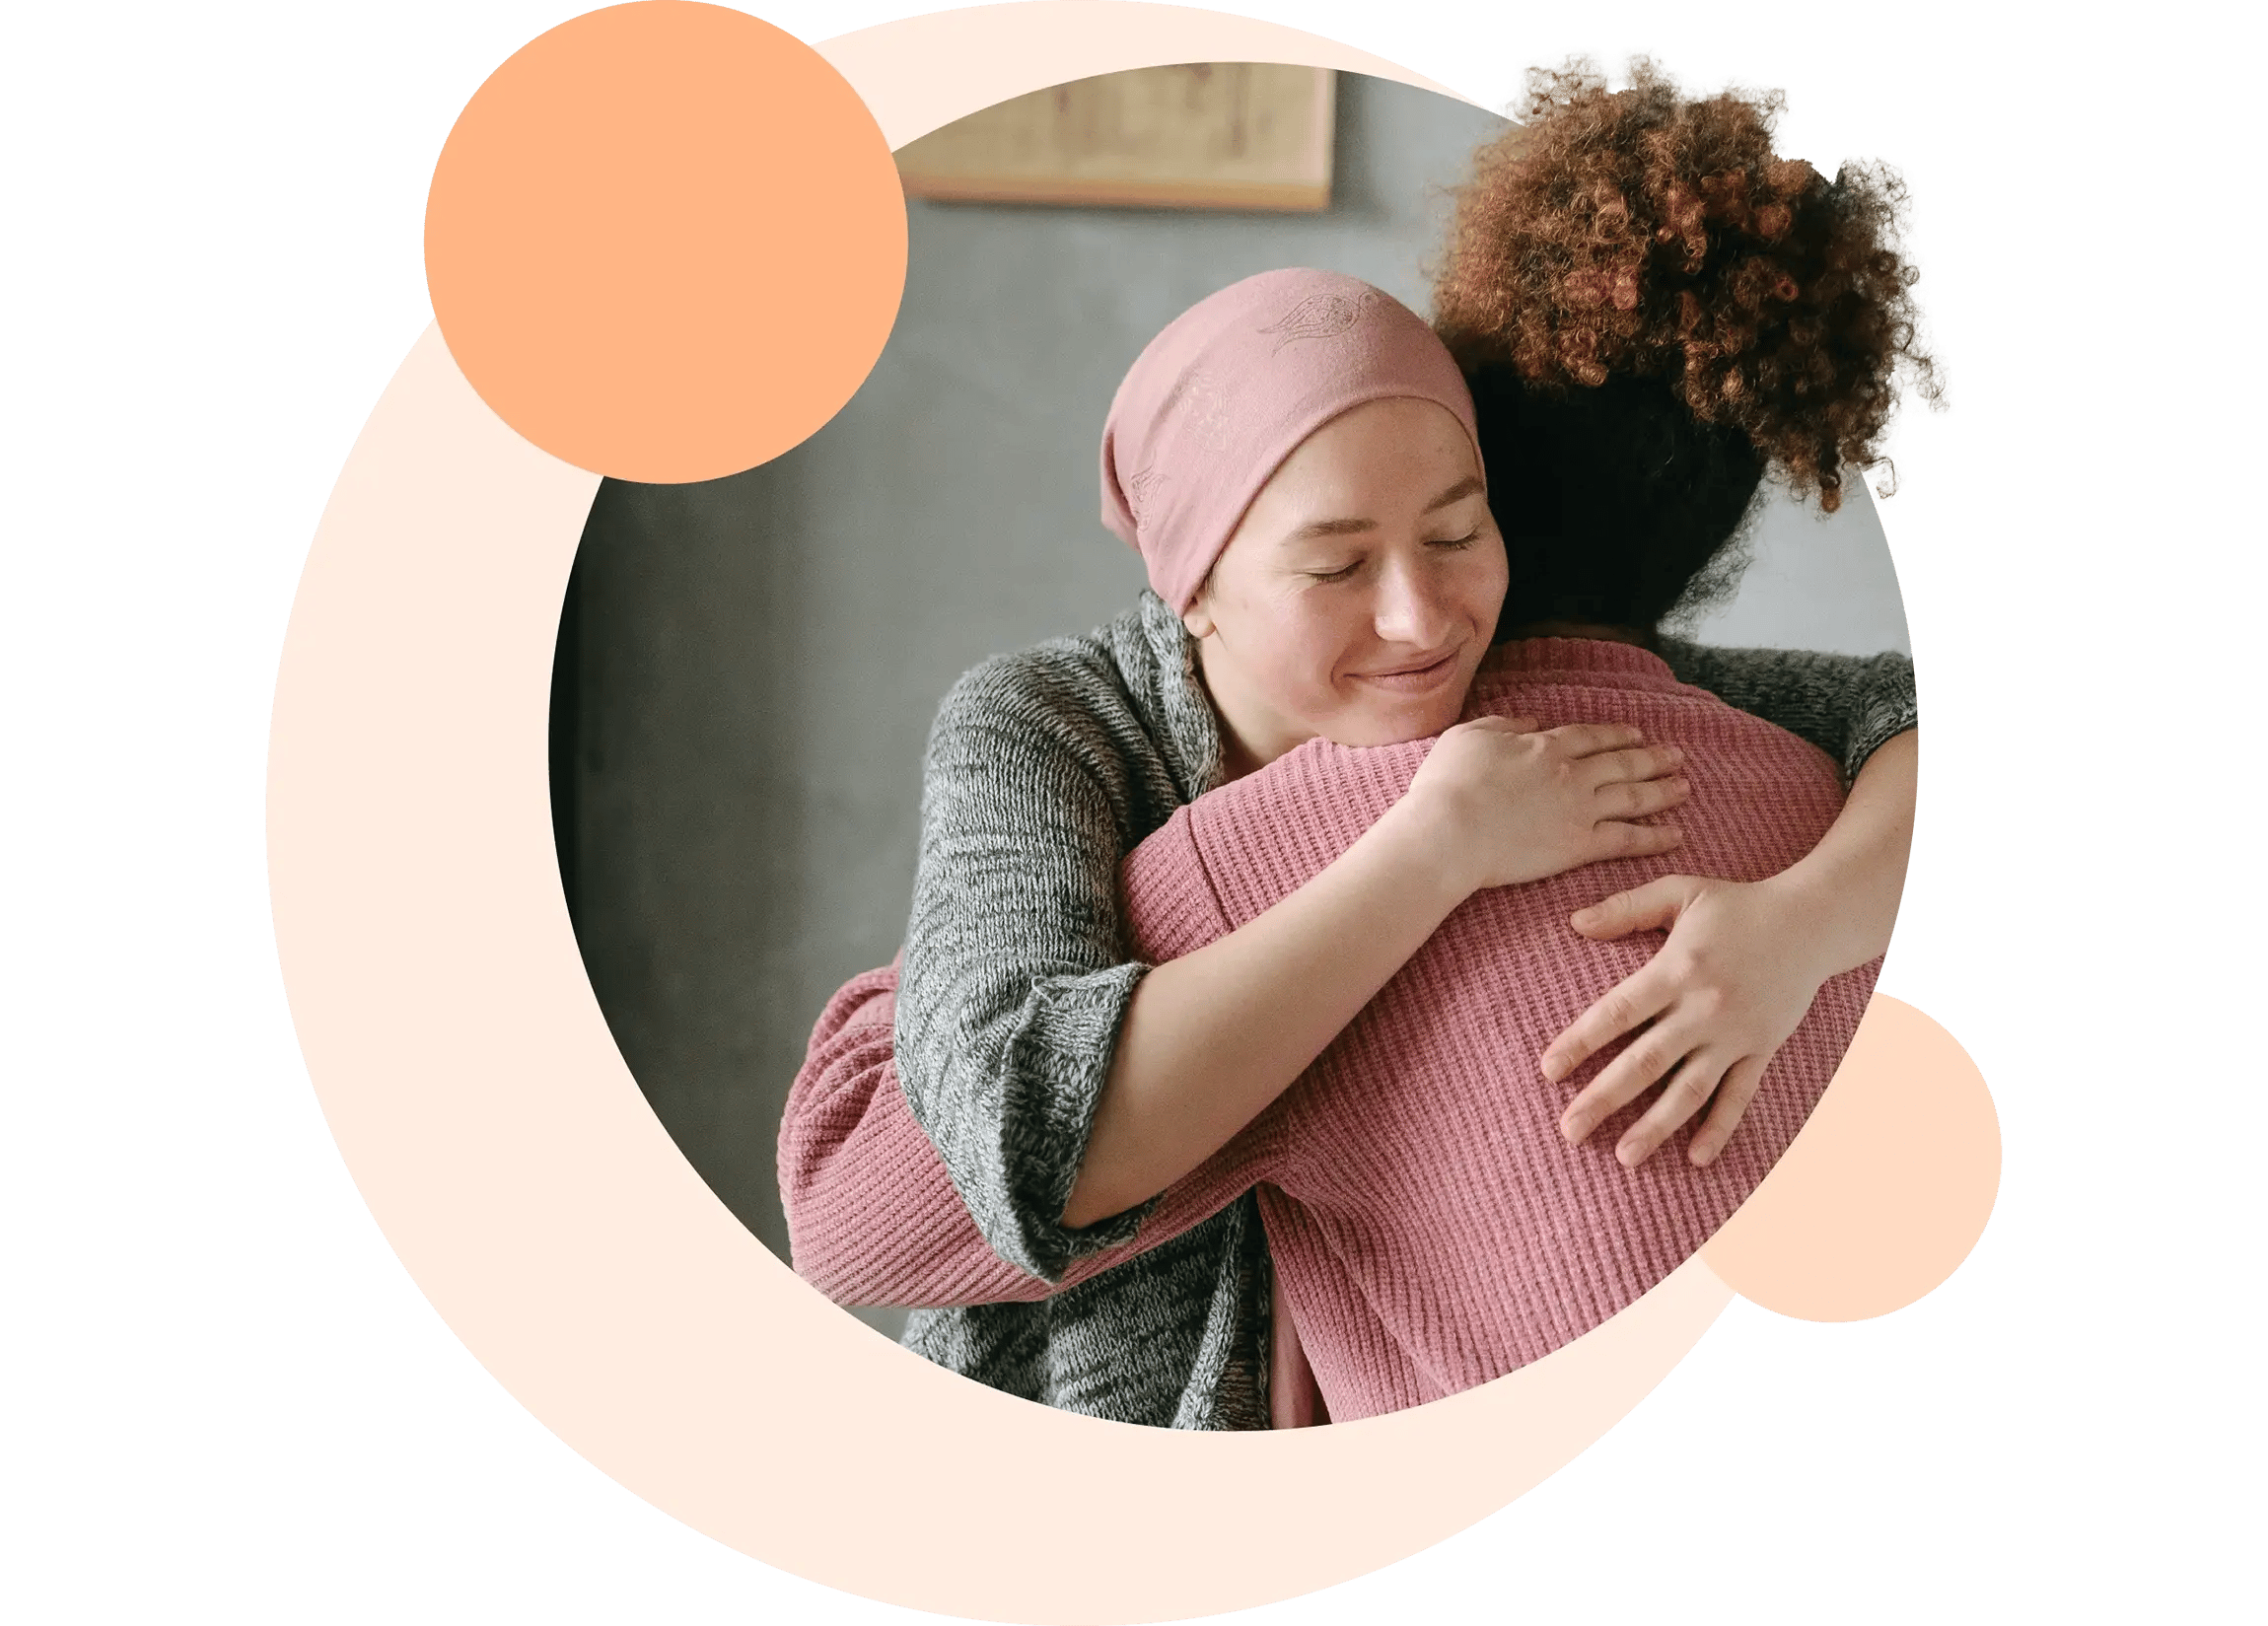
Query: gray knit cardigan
(1045, 769)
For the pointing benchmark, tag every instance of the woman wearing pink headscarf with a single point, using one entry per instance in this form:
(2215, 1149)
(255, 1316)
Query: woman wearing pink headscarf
(1296, 460)
(1653, 305)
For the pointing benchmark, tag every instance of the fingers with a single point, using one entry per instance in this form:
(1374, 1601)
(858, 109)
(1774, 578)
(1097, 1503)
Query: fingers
(1688, 1091)
(1637, 763)
(1654, 906)
(1636, 1000)
(1580, 739)
(1640, 799)
(1614, 840)
(1651, 1057)
(1733, 1099)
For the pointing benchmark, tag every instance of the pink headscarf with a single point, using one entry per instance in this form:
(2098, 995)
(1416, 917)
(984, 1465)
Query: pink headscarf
(1231, 386)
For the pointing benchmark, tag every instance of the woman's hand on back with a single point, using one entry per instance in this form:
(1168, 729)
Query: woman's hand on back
(1739, 970)
(1716, 1003)
(1507, 803)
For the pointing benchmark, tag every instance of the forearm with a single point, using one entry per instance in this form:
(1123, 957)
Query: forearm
(1210, 1039)
(1847, 888)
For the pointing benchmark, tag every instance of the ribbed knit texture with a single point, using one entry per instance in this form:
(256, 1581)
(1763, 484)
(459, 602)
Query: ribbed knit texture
(1045, 769)
(1414, 1182)
(1429, 1228)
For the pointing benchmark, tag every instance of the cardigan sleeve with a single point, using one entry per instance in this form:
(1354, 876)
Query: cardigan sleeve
(1015, 976)
(1847, 705)
(874, 1217)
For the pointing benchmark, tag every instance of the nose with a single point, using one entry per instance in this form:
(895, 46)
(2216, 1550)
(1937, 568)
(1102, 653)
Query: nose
(1410, 608)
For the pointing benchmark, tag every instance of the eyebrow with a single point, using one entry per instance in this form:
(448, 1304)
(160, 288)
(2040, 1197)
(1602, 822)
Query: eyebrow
(1470, 485)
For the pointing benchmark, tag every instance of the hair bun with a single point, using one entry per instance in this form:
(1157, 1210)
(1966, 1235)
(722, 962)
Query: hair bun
(1639, 233)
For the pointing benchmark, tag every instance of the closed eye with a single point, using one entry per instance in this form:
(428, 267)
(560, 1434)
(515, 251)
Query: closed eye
(1448, 545)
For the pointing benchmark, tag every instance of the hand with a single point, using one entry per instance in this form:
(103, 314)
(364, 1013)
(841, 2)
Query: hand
(1722, 996)
(1508, 804)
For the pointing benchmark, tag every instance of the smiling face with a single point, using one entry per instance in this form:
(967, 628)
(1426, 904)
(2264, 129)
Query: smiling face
(1359, 593)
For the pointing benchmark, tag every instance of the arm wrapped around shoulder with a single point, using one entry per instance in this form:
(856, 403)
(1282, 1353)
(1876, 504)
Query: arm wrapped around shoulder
(873, 1215)
(1847, 705)
(1014, 976)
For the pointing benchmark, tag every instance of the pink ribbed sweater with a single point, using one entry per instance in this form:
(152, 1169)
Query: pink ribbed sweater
(1429, 1227)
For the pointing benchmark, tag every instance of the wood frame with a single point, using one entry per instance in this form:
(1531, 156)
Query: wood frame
(1201, 135)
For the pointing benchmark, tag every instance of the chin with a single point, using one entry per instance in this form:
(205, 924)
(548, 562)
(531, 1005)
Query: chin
(1395, 726)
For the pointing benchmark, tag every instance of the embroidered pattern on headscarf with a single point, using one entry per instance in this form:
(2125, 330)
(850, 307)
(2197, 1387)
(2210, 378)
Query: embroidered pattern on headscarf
(1202, 398)
(1321, 316)
(1140, 489)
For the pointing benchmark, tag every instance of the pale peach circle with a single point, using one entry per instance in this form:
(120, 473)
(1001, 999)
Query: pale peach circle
(508, 1154)
(1885, 1192)
(503, 1147)
(665, 240)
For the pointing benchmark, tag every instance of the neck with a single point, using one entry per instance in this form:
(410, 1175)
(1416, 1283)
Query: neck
(1251, 736)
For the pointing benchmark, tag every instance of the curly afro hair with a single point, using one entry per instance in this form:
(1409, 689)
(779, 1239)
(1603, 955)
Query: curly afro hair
(1639, 233)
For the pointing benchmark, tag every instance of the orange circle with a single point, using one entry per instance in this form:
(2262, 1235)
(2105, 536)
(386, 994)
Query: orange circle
(666, 242)
(1886, 1189)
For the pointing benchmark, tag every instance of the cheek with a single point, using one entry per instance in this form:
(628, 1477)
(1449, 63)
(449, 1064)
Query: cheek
(1325, 640)
(1301, 646)
(1481, 583)
(1474, 596)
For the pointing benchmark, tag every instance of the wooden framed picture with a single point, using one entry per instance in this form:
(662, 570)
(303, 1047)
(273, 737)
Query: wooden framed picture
(1203, 135)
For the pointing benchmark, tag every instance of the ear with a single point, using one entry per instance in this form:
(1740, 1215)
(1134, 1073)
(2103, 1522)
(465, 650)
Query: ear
(1198, 617)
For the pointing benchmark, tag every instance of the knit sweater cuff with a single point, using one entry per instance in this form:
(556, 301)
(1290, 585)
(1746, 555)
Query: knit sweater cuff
(1057, 1062)
(1890, 709)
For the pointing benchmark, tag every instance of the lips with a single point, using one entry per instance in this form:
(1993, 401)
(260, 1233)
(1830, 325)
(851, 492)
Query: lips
(1413, 679)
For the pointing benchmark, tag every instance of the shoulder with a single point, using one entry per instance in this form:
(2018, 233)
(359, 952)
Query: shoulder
(1061, 718)
(1063, 681)
(1069, 697)
(1121, 702)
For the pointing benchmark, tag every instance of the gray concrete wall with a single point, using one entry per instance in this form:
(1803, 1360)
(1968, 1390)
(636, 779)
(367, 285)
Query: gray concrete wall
(760, 656)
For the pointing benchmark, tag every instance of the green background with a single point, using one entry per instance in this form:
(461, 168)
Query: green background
(227, 1400)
